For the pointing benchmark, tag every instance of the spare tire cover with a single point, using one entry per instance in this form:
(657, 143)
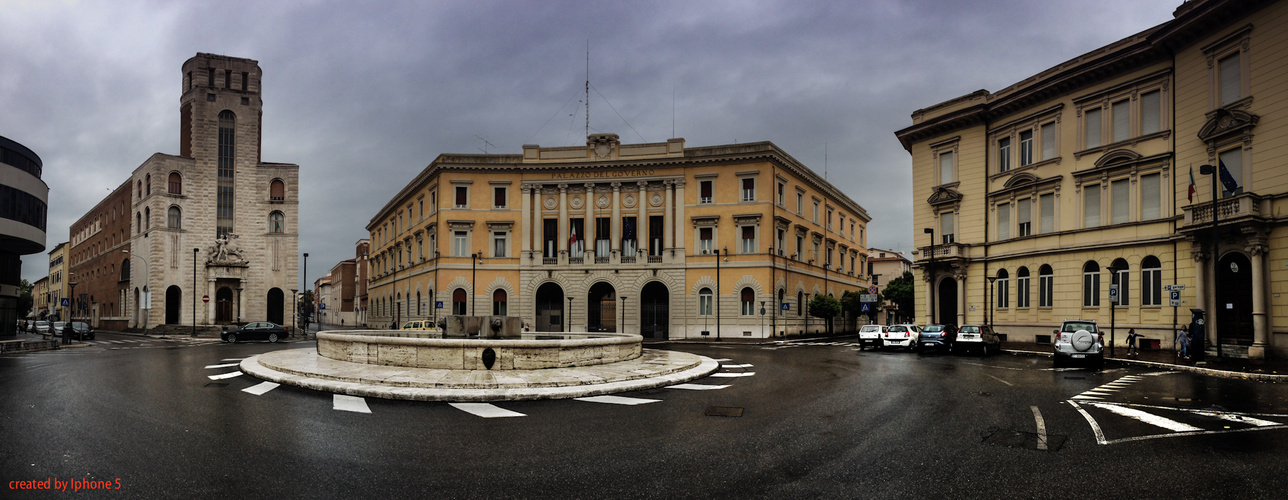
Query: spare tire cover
(1083, 340)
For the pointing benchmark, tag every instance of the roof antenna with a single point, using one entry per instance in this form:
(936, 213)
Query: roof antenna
(485, 144)
(587, 87)
(824, 161)
(672, 110)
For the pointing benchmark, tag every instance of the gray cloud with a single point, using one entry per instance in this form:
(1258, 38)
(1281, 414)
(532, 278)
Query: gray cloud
(363, 95)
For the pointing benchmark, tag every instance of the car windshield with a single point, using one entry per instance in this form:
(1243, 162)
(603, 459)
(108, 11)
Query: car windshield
(933, 329)
(1073, 327)
(969, 329)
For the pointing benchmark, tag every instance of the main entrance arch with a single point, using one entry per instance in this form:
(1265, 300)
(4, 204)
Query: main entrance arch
(946, 295)
(173, 299)
(1234, 300)
(601, 308)
(655, 311)
(549, 313)
(276, 305)
(224, 305)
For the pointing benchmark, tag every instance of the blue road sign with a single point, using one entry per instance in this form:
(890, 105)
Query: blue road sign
(438, 305)
(866, 306)
(787, 306)
(66, 302)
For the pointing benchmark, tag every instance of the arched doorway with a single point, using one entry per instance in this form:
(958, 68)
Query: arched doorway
(601, 308)
(655, 311)
(173, 299)
(946, 295)
(138, 309)
(1234, 300)
(276, 305)
(549, 313)
(224, 305)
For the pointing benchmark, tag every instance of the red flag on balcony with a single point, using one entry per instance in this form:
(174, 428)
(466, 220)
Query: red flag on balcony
(1192, 189)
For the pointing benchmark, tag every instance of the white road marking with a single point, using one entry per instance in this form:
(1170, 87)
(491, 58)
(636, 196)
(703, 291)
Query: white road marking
(1148, 418)
(1000, 367)
(1243, 418)
(736, 366)
(222, 376)
(1065, 369)
(349, 403)
(1155, 374)
(486, 410)
(697, 387)
(1080, 396)
(732, 375)
(226, 365)
(1095, 427)
(116, 341)
(1000, 380)
(1042, 435)
(723, 359)
(232, 359)
(617, 400)
(260, 389)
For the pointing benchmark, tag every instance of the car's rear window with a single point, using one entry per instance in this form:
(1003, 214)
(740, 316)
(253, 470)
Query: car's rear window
(933, 328)
(870, 328)
(1073, 327)
(969, 329)
(898, 329)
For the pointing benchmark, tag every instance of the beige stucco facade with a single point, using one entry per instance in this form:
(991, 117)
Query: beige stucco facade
(57, 286)
(1047, 184)
(635, 234)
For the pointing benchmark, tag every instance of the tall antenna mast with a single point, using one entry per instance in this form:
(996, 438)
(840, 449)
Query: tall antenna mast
(587, 87)
(672, 110)
(824, 161)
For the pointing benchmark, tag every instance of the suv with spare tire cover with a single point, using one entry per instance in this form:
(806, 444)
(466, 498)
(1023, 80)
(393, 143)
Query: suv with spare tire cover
(1078, 340)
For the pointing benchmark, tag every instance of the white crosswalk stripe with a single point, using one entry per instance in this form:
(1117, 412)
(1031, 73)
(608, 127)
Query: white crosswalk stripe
(261, 388)
(486, 410)
(1148, 418)
(697, 387)
(745, 365)
(349, 403)
(617, 400)
(222, 376)
(226, 365)
(732, 375)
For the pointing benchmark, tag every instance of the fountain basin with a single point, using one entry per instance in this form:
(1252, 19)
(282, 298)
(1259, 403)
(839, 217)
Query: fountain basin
(529, 351)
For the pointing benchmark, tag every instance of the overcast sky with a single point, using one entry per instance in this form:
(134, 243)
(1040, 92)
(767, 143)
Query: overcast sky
(363, 95)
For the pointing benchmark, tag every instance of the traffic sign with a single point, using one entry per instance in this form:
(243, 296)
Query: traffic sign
(866, 307)
(438, 305)
(66, 302)
(1113, 293)
(1176, 298)
(1173, 287)
(205, 298)
(872, 289)
(787, 306)
(867, 297)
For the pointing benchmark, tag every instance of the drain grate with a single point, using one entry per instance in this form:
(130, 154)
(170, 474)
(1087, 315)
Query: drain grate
(723, 411)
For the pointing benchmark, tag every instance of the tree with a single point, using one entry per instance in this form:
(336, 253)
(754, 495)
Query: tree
(902, 293)
(25, 300)
(825, 306)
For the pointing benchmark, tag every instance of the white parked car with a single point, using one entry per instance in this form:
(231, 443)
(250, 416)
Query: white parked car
(871, 335)
(904, 336)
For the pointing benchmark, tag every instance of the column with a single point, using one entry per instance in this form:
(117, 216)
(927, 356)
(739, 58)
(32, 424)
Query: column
(1260, 327)
(563, 218)
(538, 222)
(680, 227)
(1200, 293)
(525, 227)
(616, 222)
(589, 244)
(930, 295)
(641, 220)
(667, 216)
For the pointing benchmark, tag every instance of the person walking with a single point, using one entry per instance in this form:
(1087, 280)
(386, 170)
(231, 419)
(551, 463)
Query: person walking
(1183, 342)
(1131, 342)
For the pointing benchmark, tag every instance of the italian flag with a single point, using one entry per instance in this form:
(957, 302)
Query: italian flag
(1192, 188)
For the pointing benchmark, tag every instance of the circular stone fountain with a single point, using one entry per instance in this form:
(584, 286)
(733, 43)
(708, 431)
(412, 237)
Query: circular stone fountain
(428, 366)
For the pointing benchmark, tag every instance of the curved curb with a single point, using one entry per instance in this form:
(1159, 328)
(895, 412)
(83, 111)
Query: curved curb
(251, 366)
(1263, 377)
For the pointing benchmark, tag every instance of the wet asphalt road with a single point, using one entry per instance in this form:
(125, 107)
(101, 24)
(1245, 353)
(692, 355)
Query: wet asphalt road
(816, 420)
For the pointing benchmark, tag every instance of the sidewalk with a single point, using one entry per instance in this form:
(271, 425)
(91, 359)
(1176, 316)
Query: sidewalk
(1270, 370)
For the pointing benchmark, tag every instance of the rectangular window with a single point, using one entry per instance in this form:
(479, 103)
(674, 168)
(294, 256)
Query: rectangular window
(655, 235)
(210, 77)
(1151, 285)
(1003, 293)
(603, 231)
(1091, 289)
(704, 240)
(460, 244)
(228, 78)
(462, 196)
(1045, 289)
(829, 219)
(829, 258)
(1022, 291)
(815, 219)
(1093, 126)
(749, 189)
(1121, 201)
(1232, 162)
(245, 81)
(1091, 206)
(629, 240)
(576, 238)
(946, 167)
(1004, 154)
(1121, 113)
(778, 245)
(946, 227)
(1048, 141)
(1046, 208)
(704, 191)
(550, 238)
(498, 245)
(800, 248)
(748, 239)
(1023, 215)
(498, 197)
(782, 195)
(1026, 147)
(800, 203)
(814, 256)
(1004, 221)
(1151, 197)
(1151, 115)
(704, 304)
(1124, 285)
(1228, 76)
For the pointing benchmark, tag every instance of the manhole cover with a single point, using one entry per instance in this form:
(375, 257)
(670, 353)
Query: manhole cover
(1012, 438)
(723, 411)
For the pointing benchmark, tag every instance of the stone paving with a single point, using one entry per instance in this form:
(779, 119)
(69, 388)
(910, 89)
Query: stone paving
(305, 368)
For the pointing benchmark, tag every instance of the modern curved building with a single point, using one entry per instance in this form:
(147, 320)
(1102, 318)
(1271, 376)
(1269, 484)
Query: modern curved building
(24, 201)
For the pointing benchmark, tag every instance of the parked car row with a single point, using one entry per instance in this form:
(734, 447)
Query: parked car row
(912, 337)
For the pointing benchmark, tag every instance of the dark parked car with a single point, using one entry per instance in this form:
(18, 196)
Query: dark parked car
(260, 330)
(81, 331)
(938, 337)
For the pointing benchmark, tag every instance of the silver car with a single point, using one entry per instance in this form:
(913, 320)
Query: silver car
(1078, 340)
(41, 327)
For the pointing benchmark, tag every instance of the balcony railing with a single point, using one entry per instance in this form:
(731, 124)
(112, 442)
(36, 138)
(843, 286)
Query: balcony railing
(1244, 205)
(655, 259)
(628, 260)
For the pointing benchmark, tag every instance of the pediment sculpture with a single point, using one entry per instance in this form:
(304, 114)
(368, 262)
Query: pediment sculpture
(225, 252)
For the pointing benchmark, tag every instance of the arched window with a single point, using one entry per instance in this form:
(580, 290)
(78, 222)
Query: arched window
(276, 222)
(1022, 287)
(277, 190)
(458, 302)
(1151, 282)
(147, 217)
(704, 302)
(140, 190)
(418, 302)
(173, 219)
(1091, 284)
(748, 302)
(125, 269)
(800, 303)
(398, 304)
(1003, 289)
(175, 184)
(1045, 285)
(1121, 278)
(498, 303)
(147, 184)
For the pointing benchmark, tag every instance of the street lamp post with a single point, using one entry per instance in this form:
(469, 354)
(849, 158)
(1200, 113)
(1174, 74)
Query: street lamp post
(931, 305)
(239, 291)
(569, 318)
(719, 255)
(1113, 305)
(806, 311)
(622, 327)
(305, 287)
(71, 313)
(992, 301)
(762, 319)
(194, 292)
(143, 298)
(474, 274)
(295, 299)
(876, 279)
(1215, 173)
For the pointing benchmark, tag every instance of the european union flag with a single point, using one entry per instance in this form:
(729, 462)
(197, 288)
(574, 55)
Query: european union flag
(1232, 187)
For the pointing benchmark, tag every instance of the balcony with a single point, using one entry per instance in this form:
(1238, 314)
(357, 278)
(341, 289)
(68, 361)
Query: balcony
(1229, 210)
(946, 252)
